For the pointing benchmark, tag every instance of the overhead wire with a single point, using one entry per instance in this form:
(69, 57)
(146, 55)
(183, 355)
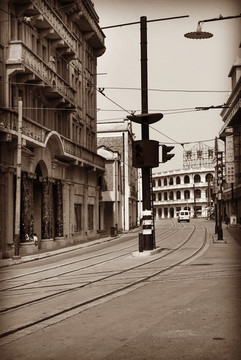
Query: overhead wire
(85, 78)
(101, 91)
(167, 90)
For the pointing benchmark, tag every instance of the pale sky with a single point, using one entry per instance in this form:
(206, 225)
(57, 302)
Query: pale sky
(175, 63)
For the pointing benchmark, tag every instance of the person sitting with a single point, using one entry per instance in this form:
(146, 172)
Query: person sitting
(35, 239)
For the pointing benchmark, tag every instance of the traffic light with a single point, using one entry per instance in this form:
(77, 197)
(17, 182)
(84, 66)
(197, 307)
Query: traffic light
(165, 151)
(138, 156)
(145, 153)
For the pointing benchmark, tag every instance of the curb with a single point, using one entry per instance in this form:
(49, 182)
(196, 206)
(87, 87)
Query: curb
(67, 249)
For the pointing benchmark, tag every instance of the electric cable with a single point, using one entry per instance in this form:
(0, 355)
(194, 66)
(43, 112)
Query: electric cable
(167, 90)
(101, 91)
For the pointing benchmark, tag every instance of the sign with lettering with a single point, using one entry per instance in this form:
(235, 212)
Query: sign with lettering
(229, 166)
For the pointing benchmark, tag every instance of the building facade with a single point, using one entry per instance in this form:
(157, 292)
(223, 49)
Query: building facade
(48, 144)
(231, 135)
(186, 189)
(118, 205)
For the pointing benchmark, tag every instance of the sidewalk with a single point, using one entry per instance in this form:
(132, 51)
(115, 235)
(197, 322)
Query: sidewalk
(42, 254)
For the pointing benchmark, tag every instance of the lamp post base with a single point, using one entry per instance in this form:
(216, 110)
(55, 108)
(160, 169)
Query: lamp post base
(220, 234)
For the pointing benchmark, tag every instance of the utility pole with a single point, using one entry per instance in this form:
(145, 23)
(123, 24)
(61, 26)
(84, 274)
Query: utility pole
(146, 150)
(18, 182)
(146, 171)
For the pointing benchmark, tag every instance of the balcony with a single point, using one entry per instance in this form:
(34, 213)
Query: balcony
(47, 20)
(84, 156)
(179, 202)
(36, 135)
(89, 25)
(22, 60)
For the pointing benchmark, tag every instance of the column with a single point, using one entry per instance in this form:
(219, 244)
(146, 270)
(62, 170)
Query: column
(59, 210)
(66, 216)
(47, 209)
(27, 208)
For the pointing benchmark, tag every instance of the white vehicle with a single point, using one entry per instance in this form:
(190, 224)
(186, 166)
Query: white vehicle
(183, 215)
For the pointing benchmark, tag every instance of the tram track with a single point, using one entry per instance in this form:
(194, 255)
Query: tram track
(9, 279)
(108, 290)
(24, 285)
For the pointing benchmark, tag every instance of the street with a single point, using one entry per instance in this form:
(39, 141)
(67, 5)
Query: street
(102, 302)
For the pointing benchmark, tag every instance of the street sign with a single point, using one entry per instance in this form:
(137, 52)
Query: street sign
(229, 164)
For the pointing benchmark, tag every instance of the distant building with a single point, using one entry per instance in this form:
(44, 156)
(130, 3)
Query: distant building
(177, 190)
(231, 135)
(119, 196)
(49, 164)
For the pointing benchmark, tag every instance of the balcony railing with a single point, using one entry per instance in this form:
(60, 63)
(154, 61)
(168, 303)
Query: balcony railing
(19, 54)
(82, 154)
(47, 14)
(36, 134)
(180, 186)
(179, 201)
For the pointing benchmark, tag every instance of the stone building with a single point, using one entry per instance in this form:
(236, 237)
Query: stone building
(231, 135)
(118, 206)
(186, 189)
(48, 144)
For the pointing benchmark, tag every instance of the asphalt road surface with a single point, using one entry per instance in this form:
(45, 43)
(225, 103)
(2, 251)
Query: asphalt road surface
(101, 302)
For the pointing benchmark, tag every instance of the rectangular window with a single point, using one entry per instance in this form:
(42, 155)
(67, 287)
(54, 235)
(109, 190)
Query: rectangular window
(44, 53)
(90, 217)
(45, 116)
(34, 109)
(77, 212)
(59, 126)
(33, 43)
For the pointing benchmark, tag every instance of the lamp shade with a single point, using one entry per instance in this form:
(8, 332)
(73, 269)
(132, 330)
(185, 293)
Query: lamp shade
(198, 35)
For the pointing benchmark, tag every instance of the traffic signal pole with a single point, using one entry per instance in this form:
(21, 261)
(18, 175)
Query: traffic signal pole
(148, 240)
(148, 237)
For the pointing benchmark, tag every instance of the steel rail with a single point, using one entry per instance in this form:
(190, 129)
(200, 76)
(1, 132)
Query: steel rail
(118, 290)
(76, 261)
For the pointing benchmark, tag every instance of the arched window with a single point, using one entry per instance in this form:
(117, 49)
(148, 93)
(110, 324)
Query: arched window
(154, 197)
(153, 183)
(159, 182)
(165, 182)
(178, 208)
(197, 178)
(171, 181)
(171, 195)
(165, 213)
(160, 212)
(178, 195)
(159, 196)
(171, 212)
(178, 180)
(165, 195)
(187, 194)
(197, 193)
(209, 177)
(186, 179)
